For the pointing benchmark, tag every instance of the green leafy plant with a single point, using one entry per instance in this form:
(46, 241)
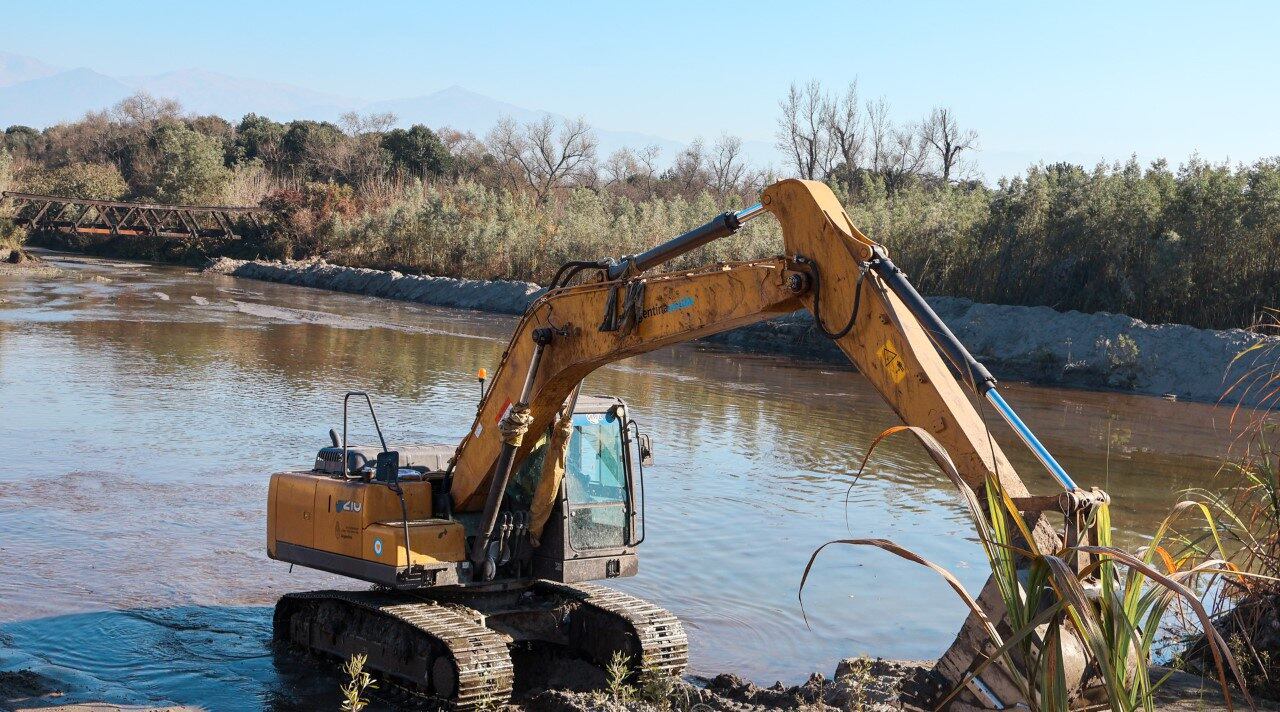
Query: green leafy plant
(359, 682)
(1111, 608)
(618, 678)
(656, 686)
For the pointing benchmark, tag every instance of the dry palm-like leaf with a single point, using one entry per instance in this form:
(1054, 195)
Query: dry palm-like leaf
(903, 552)
(940, 456)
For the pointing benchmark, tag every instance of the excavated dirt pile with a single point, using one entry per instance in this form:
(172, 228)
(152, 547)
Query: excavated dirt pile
(1038, 344)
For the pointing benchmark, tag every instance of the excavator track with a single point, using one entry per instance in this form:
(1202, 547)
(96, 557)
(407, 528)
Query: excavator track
(656, 637)
(441, 652)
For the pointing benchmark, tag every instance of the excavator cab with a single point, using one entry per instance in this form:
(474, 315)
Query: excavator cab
(597, 521)
(354, 520)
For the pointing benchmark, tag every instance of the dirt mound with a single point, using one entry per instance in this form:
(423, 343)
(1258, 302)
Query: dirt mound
(861, 684)
(22, 262)
(1039, 344)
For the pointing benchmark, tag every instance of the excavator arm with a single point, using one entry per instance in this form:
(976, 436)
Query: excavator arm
(827, 268)
(857, 296)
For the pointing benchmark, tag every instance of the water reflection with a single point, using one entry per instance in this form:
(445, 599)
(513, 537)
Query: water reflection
(141, 416)
(198, 657)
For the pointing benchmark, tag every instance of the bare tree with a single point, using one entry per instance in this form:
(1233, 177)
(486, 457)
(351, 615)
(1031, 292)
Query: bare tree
(541, 157)
(360, 158)
(725, 164)
(619, 168)
(878, 132)
(802, 130)
(947, 140)
(907, 157)
(142, 109)
(689, 173)
(356, 125)
(647, 168)
(843, 119)
(898, 152)
(471, 157)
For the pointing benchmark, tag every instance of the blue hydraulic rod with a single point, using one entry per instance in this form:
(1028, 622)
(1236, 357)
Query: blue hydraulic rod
(982, 379)
(1029, 438)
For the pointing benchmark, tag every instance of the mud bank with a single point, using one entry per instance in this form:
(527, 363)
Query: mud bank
(858, 684)
(1038, 344)
(23, 263)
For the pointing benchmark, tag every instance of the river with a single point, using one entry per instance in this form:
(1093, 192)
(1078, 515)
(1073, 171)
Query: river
(145, 406)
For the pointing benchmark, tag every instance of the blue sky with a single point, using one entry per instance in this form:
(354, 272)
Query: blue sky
(1038, 81)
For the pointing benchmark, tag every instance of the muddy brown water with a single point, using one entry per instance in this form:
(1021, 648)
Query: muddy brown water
(144, 407)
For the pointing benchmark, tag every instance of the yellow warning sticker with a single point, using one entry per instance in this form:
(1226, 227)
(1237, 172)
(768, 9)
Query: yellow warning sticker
(892, 361)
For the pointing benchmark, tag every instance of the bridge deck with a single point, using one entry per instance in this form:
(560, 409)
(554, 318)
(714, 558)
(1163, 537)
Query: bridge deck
(108, 217)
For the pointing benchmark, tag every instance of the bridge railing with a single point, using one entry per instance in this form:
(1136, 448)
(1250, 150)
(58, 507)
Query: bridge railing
(109, 217)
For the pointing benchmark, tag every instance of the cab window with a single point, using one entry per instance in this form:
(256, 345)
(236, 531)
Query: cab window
(596, 483)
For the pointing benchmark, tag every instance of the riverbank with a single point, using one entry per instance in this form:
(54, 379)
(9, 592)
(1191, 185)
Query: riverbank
(858, 684)
(21, 262)
(1037, 344)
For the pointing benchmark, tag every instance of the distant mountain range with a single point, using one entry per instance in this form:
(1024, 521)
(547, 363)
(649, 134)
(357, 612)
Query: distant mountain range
(37, 94)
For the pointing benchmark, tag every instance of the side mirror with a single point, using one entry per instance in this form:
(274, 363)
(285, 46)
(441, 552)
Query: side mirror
(387, 469)
(646, 450)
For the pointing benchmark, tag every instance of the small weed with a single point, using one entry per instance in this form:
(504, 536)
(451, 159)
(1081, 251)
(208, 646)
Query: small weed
(658, 687)
(359, 682)
(858, 679)
(618, 678)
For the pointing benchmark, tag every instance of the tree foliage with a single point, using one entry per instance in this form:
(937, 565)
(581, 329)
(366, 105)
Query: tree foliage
(417, 151)
(1199, 243)
(191, 169)
(94, 181)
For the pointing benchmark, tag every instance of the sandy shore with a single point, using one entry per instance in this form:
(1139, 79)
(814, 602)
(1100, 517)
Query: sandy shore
(23, 263)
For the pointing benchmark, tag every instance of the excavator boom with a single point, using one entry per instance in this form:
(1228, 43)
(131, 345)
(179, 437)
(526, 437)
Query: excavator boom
(827, 269)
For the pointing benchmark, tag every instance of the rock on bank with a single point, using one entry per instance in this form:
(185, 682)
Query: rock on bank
(1040, 344)
(504, 297)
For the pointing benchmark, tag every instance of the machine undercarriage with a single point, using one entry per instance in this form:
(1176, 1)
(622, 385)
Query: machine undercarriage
(455, 649)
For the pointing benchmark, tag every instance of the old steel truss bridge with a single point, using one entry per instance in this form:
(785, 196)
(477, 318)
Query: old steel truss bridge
(106, 217)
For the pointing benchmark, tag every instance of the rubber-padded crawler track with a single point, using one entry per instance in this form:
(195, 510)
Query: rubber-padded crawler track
(480, 657)
(664, 646)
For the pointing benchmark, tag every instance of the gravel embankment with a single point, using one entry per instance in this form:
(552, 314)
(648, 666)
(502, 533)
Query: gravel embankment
(1039, 344)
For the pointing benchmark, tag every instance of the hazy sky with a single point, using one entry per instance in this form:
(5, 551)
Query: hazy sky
(1037, 80)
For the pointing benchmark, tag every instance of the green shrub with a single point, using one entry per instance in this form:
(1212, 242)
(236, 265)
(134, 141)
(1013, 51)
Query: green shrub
(95, 181)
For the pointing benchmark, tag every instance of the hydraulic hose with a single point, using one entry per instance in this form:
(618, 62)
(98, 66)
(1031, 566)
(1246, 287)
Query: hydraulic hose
(983, 381)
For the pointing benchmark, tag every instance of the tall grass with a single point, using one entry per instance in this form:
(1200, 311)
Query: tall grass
(1246, 527)
(467, 229)
(1092, 598)
(1194, 245)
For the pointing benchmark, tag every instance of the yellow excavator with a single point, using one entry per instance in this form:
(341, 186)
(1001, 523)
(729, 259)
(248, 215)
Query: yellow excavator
(484, 552)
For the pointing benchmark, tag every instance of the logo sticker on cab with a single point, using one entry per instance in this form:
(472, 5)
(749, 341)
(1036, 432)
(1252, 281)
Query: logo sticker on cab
(345, 505)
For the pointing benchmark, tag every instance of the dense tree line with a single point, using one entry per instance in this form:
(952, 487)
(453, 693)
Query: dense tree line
(1194, 244)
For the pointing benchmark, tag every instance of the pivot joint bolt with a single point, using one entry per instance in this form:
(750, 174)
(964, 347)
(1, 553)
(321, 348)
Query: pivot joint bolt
(543, 335)
(798, 282)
